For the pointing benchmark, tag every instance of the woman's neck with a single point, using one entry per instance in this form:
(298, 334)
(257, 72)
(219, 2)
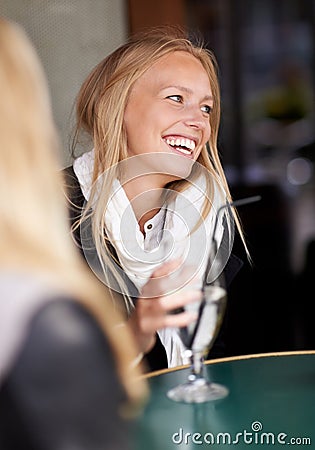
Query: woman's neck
(146, 197)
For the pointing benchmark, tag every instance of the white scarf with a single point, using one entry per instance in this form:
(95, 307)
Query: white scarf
(140, 256)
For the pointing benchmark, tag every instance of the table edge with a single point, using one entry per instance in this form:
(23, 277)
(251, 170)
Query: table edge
(232, 358)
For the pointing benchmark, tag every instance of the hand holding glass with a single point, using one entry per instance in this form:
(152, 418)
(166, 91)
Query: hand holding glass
(198, 340)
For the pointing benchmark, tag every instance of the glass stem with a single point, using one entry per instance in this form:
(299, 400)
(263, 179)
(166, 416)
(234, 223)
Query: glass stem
(196, 365)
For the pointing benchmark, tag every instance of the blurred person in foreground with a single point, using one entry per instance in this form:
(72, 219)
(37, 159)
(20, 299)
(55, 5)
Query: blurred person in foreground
(66, 380)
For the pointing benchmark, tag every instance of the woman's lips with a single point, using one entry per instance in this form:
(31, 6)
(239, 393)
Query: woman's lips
(183, 145)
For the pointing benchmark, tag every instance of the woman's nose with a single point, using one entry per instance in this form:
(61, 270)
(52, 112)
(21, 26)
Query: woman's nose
(195, 118)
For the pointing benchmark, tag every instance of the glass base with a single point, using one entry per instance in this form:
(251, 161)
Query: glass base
(197, 391)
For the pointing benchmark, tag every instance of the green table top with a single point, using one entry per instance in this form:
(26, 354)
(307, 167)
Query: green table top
(271, 404)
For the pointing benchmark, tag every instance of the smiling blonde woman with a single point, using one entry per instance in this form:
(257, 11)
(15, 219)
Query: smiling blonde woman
(144, 196)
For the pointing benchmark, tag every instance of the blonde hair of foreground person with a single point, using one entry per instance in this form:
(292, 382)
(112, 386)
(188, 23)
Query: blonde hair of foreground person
(100, 108)
(34, 227)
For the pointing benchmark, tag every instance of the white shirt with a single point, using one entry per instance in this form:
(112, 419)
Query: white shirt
(168, 231)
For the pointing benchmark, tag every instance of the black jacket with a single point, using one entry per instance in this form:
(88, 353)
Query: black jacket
(63, 390)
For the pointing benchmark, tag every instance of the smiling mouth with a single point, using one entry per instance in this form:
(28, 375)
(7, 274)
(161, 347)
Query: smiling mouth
(183, 145)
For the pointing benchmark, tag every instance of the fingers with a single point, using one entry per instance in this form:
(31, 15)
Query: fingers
(147, 326)
(169, 288)
(167, 268)
(179, 320)
(170, 278)
(164, 318)
(151, 315)
(155, 314)
(179, 299)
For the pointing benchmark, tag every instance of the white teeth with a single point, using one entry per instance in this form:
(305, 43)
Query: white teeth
(190, 144)
(183, 142)
(183, 150)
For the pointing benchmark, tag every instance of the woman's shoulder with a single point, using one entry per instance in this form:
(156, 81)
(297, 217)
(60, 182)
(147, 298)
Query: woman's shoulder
(64, 320)
(72, 186)
(62, 329)
(65, 351)
(78, 178)
(64, 384)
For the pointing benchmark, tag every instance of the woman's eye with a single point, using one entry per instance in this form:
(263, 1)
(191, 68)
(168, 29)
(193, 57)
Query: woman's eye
(206, 108)
(176, 98)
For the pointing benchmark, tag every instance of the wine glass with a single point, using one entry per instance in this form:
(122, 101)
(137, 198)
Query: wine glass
(198, 340)
(199, 337)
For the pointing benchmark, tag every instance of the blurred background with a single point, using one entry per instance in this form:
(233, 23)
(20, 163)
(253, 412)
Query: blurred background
(266, 55)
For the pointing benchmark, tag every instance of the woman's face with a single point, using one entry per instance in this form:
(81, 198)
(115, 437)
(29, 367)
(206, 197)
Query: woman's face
(167, 115)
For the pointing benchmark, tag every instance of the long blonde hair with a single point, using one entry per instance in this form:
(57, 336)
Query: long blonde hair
(100, 109)
(34, 226)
